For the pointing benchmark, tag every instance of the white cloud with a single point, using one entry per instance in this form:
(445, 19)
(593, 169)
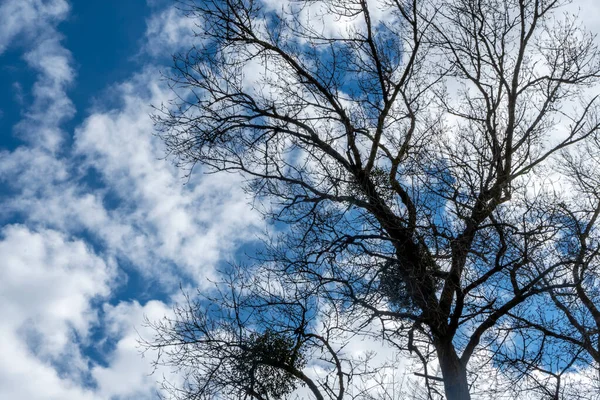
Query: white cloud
(144, 214)
(168, 31)
(47, 283)
(129, 375)
(50, 279)
(33, 22)
(28, 18)
(51, 105)
(194, 225)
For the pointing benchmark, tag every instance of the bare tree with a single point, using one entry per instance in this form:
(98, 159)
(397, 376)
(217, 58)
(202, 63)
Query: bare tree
(411, 149)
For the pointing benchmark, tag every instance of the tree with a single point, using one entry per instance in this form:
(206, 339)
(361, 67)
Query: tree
(411, 149)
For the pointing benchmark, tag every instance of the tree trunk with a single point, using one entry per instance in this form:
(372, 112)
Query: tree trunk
(453, 372)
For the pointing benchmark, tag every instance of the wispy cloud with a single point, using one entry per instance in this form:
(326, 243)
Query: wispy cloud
(168, 31)
(25, 20)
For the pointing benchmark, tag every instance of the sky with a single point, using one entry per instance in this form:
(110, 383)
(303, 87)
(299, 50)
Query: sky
(97, 229)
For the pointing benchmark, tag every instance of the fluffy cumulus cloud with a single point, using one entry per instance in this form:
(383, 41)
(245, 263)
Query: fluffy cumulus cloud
(128, 375)
(48, 282)
(194, 225)
(141, 212)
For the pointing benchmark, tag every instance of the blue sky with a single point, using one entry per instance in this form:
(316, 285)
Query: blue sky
(97, 230)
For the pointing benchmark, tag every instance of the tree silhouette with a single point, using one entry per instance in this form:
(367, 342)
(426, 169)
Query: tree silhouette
(419, 161)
